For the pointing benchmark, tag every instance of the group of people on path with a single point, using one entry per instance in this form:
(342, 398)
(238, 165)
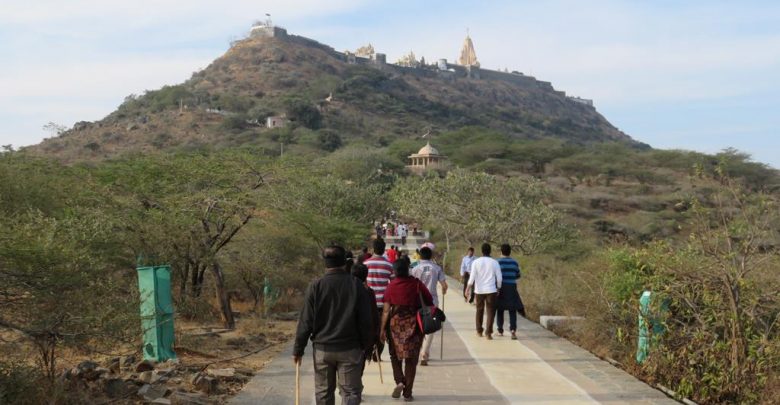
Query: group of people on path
(357, 308)
(492, 286)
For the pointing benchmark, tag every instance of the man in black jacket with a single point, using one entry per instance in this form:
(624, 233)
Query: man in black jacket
(336, 315)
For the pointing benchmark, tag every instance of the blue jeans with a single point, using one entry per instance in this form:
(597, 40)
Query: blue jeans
(500, 321)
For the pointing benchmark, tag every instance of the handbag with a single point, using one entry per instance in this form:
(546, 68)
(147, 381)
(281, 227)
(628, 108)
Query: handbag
(429, 318)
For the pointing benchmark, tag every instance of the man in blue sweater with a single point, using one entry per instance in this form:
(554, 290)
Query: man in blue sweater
(508, 297)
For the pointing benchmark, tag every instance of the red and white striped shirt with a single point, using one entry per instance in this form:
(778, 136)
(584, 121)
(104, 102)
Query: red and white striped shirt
(379, 273)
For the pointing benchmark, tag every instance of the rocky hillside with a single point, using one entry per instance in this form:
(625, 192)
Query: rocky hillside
(329, 102)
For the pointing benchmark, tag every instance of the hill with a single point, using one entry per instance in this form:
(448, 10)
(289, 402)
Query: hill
(370, 101)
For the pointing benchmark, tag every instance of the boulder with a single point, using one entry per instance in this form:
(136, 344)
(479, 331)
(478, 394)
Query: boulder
(87, 366)
(151, 392)
(207, 385)
(117, 388)
(149, 377)
(222, 372)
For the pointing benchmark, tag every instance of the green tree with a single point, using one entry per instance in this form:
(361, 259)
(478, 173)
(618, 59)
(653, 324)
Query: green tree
(303, 112)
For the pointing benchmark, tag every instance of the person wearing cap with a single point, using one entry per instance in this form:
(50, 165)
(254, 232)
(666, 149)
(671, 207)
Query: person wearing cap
(336, 316)
(430, 274)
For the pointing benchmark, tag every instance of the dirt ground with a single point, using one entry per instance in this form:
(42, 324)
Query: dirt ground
(226, 358)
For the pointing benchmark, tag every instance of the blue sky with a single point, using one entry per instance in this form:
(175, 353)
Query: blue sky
(700, 75)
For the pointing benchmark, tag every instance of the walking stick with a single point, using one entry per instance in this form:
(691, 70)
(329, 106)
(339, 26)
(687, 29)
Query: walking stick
(379, 363)
(441, 345)
(297, 383)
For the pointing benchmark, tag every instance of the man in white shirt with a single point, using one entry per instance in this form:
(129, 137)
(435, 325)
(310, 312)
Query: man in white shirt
(486, 279)
(465, 269)
(403, 232)
(429, 273)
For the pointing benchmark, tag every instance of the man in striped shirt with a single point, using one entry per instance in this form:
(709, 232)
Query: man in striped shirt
(508, 297)
(379, 273)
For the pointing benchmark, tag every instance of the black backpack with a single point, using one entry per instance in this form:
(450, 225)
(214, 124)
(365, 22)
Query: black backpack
(429, 318)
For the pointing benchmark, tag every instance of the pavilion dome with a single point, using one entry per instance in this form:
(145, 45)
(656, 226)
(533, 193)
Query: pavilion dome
(428, 150)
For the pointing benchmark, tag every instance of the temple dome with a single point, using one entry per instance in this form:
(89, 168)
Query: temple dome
(428, 150)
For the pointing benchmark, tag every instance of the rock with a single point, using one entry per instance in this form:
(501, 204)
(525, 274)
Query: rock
(237, 342)
(195, 378)
(100, 372)
(176, 380)
(151, 392)
(207, 385)
(87, 365)
(167, 372)
(149, 377)
(71, 374)
(145, 365)
(245, 371)
(114, 365)
(117, 388)
(132, 126)
(90, 371)
(189, 398)
(222, 372)
(162, 401)
(549, 321)
(128, 361)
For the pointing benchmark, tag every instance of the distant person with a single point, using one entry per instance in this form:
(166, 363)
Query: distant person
(378, 230)
(399, 327)
(486, 279)
(360, 271)
(336, 310)
(350, 261)
(403, 232)
(392, 254)
(429, 273)
(465, 269)
(380, 272)
(508, 297)
(366, 253)
(414, 258)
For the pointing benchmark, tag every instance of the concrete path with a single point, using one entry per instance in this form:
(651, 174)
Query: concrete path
(538, 368)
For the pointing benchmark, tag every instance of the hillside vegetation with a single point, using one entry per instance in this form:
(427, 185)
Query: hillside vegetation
(259, 77)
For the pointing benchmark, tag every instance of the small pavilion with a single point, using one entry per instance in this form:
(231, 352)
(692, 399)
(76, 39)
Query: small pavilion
(426, 158)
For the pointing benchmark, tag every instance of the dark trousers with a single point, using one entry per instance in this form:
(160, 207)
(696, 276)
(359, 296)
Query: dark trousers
(500, 321)
(380, 347)
(486, 302)
(403, 240)
(404, 371)
(344, 367)
(465, 281)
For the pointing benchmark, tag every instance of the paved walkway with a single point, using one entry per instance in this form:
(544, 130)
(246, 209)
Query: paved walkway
(539, 368)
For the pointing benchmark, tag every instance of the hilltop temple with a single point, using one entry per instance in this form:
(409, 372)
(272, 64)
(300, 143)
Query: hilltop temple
(468, 57)
(426, 158)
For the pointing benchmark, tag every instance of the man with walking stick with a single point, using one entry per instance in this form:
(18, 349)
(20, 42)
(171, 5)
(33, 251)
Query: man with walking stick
(337, 317)
(429, 273)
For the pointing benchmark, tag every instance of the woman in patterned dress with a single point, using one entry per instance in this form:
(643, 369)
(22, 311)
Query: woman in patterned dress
(399, 326)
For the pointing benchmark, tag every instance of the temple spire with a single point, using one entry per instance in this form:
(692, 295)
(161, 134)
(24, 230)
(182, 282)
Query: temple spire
(468, 57)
